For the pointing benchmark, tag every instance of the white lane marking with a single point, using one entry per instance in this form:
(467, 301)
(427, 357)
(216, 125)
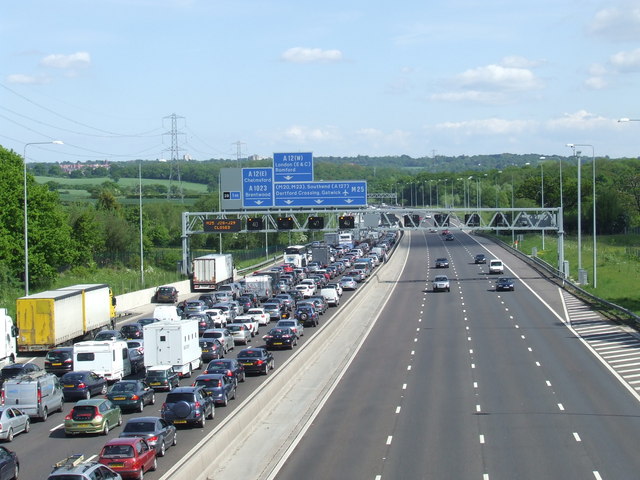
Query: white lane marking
(548, 383)
(398, 409)
(389, 438)
(408, 367)
(482, 439)
(473, 365)
(597, 475)
(522, 337)
(469, 339)
(561, 407)
(537, 364)
(415, 339)
(475, 384)
(378, 477)
(478, 409)
(413, 352)
(404, 386)
(530, 349)
(577, 437)
(485, 476)
(57, 427)
(471, 351)
(418, 329)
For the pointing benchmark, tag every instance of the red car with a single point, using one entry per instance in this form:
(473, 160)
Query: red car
(130, 457)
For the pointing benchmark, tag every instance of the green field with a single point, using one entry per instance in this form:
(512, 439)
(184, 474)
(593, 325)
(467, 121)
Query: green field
(73, 183)
(617, 262)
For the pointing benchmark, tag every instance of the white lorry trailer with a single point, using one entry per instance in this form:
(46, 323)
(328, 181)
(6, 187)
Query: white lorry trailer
(109, 359)
(261, 285)
(57, 317)
(173, 343)
(8, 334)
(209, 271)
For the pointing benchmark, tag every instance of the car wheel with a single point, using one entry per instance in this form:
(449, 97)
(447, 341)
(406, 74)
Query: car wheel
(266, 369)
(225, 401)
(10, 435)
(27, 426)
(203, 421)
(153, 398)
(103, 391)
(212, 413)
(119, 419)
(87, 394)
(170, 387)
(105, 430)
(141, 406)
(61, 407)
(162, 450)
(235, 393)
(141, 474)
(154, 465)
(175, 439)
(45, 414)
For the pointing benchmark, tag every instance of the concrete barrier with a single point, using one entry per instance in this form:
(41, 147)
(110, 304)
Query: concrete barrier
(129, 301)
(250, 442)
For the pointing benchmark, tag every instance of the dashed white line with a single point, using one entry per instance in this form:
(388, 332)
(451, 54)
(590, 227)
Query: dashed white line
(478, 409)
(548, 383)
(597, 475)
(408, 367)
(538, 364)
(389, 438)
(404, 386)
(475, 384)
(561, 407)
(398, 409)
(577, 437)
(482, 439)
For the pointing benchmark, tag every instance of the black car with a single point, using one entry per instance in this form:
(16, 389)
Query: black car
(167, 294)
(108, 335)
(256, 360)
(188, 405)
(82, 384)
(159, 433)
(205, 322)
(9, 464)
(245, 302)
(227, 366)
(505, 283)
(281, 337)
(16, 369)
(211, 348)
(162, 378)
(449, 237)
(59, 360)
(131, 395)
(136, 358)
(132, 331)
(147, 321)
(480, 258)
(219, 386)
(442, 263)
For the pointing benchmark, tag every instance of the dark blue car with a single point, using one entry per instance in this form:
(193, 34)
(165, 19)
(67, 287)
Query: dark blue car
(221, 387)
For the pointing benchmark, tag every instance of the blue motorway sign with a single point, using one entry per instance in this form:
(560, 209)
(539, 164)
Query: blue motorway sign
(257, 187)
(321, 194)
(293, 167)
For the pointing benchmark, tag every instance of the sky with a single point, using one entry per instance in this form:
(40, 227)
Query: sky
(112, 78)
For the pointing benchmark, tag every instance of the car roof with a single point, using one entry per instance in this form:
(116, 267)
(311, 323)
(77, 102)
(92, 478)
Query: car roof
(123, 440)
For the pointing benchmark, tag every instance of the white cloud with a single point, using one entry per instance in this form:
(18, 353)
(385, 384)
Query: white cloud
(580, 120)
(311, 55)
(469, 96)
(626, 61)
(489, 126)
(497, 77)
(303, 134)
(20, 78)
(516, 61)
(595, 83)
(378, 138)
(618, 23)
(597, 70)
(72, 61)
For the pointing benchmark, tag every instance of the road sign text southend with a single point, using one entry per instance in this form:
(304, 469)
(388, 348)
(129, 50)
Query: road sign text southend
(293, 167)
(327, 194)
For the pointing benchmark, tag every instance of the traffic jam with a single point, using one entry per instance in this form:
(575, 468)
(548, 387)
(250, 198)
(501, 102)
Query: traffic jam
(129, 385)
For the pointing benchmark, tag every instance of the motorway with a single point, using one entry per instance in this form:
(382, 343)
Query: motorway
(471, 384)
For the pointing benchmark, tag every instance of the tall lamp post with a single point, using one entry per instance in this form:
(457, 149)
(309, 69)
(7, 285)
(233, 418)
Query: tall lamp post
(593, 181)
(26, 221)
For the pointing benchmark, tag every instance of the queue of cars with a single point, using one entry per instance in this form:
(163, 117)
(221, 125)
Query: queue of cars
(100, 404)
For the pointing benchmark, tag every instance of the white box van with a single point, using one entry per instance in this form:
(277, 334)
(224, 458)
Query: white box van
(37, 394)
(496, 266)
(331, 296)
(108, 359)
(166, 312)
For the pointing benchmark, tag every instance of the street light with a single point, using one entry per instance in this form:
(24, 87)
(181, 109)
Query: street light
(593, 164)
(26, 222)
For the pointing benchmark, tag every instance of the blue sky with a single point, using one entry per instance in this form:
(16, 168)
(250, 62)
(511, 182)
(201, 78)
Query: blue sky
(333, 78)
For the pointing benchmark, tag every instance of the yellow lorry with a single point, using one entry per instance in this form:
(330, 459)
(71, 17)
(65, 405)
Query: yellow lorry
(60, 317)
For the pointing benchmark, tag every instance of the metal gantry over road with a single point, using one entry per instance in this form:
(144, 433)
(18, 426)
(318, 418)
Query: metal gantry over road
(363, 221)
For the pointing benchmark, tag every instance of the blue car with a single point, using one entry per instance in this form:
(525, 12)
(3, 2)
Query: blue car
(221, 387)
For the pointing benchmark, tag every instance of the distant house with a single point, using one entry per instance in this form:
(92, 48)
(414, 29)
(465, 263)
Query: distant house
(70, 167)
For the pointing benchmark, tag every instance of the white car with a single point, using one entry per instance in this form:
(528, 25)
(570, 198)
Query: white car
(306, 289)
(260, 315)
(337, 286)
(250, 322)
(441, 284)
(220, 317)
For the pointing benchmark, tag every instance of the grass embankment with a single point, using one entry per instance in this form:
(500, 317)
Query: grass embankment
(617, 262)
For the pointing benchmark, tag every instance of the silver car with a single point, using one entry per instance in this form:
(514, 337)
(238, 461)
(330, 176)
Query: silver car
(241, 333)
(222, 335)
(12, 422)
(441, 284)
(293, 324)
(348, 283)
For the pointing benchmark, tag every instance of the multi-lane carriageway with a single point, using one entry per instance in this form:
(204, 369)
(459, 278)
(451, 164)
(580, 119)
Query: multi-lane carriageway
(467, 384)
